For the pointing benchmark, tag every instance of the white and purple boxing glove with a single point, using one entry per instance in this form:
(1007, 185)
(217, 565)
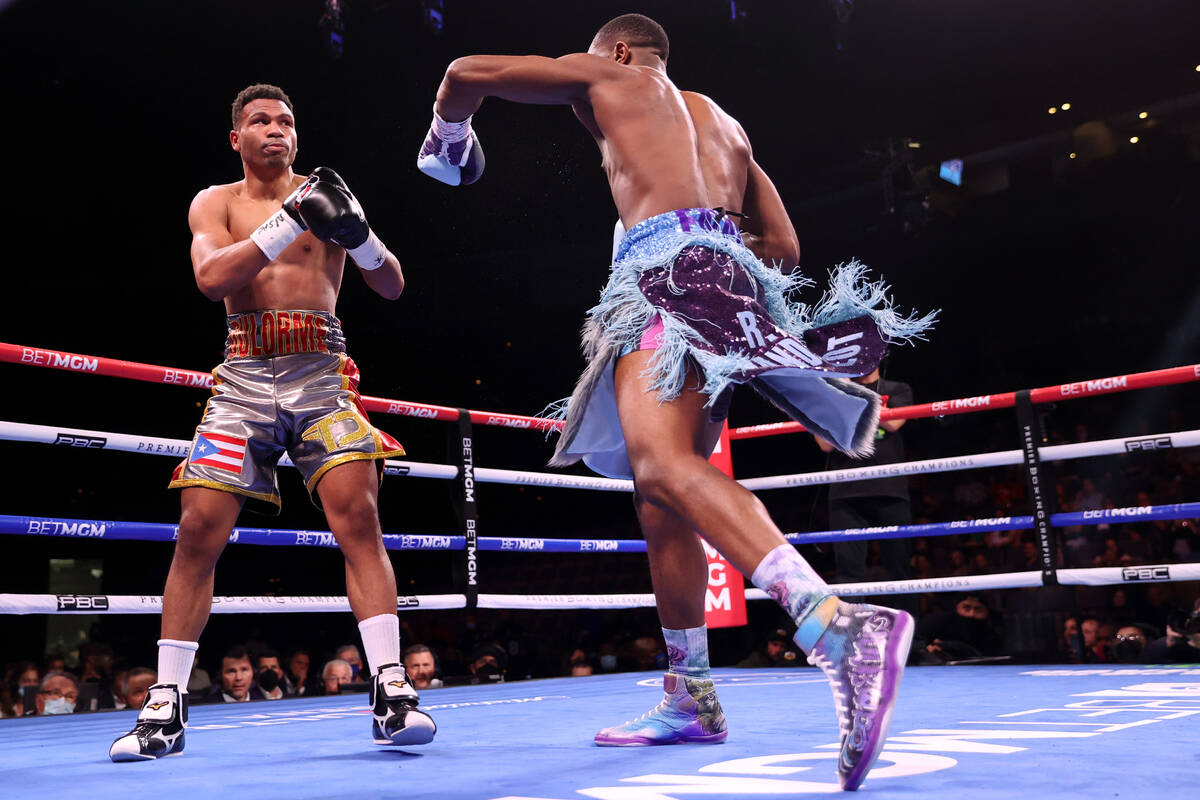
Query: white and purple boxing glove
(451, 152)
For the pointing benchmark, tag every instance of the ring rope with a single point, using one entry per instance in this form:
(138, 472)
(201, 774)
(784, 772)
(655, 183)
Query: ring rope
(99, 365)
(42, 434)
(967, 405)
(164, 532)
(149, 604)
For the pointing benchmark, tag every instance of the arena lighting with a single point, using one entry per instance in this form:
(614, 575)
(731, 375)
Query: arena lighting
(1052, 110)
(1066, 106)
(1133, 140)
(1143, 115)
(1073, 155)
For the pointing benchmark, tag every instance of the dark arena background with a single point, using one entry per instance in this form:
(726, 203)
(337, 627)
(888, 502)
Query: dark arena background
(1032, 169)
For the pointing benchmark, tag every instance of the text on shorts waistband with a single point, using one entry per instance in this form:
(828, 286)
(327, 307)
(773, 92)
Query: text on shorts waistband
(264, 334)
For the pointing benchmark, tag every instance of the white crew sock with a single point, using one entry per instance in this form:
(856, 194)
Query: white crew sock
(381, 640)
(175, 661)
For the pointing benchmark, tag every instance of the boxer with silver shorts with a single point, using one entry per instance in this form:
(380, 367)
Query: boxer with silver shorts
(272, 247)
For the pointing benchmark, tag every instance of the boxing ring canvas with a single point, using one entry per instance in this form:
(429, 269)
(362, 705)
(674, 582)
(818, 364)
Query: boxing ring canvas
(967, 731)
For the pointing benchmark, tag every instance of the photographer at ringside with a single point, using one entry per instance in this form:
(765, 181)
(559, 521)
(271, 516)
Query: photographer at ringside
(1181, 645)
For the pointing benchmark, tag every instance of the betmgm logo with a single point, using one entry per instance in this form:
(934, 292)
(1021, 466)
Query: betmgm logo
(82, 602)
(1146, 574)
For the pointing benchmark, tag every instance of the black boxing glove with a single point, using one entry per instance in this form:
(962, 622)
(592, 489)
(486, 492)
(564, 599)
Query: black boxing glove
(327, 208)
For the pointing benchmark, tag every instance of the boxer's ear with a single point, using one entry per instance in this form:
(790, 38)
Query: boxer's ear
(622, 53)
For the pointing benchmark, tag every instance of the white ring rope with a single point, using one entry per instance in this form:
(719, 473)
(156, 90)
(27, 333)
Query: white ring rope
(148, 604)
(23, 432)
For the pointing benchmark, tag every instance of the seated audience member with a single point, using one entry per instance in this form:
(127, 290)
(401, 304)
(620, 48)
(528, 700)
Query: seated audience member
(268, 675)
(20, 679)
(967, 632)
(95, 666)
(199, 682)
(58, 693)
(1128, 643)
(296, 681)
(487, 663)
(421, 667)
(55, 663)
(236, 679)
(1181, 645)
(349, 654)
(336, 673)
(1095, 649)
(776, 651)
(135, 684)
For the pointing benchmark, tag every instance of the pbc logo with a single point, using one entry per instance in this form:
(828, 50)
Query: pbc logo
(82, 602)
(1153, 443)
(75, 440)
(411, 601)
(391, 470)
(1146, 574)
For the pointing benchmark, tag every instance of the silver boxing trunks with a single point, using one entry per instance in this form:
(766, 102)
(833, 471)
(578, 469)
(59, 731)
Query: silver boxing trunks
(286, 385)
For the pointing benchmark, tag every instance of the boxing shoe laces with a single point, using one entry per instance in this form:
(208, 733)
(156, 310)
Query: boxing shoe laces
(159, 728)
(863, 652)
(689, 712)
(394, 704)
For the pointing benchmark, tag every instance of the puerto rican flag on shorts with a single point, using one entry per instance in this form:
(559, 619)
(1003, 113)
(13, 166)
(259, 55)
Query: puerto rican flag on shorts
(219, 451)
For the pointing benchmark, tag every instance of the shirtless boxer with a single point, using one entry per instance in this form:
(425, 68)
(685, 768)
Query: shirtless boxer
(690, 310)
(273, 247)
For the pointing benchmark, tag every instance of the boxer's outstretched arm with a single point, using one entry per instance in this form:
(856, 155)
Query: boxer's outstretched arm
(521, 79)
(221, 265)
(768, 231)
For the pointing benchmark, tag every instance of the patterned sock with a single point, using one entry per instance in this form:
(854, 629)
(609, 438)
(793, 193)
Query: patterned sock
(687, 651)
(381, 640)
(792, 583)
(175, 661)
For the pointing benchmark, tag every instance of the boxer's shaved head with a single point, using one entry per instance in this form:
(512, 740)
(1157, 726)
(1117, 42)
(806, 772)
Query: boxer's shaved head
(258, 91)
(635, 30)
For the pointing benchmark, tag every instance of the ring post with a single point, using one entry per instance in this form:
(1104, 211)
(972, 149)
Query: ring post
(1041, 495)
(725, 595)
(462, 450)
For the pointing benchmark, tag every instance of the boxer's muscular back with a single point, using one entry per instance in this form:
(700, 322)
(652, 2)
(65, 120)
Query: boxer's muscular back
(307, 275)
(665, 149)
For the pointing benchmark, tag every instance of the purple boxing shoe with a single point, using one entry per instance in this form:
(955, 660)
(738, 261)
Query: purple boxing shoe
(689, 712)
(863, 652)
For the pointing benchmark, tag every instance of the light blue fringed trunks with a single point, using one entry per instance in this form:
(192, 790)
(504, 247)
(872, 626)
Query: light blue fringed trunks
(725, 312)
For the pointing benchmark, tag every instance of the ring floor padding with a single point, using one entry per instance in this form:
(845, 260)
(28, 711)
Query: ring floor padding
(966, 731)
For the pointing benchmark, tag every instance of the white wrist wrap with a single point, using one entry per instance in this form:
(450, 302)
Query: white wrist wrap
(450, 132)
(369, 255)
(274, 235)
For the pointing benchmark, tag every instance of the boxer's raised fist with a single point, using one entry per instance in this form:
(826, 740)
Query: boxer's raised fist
(324, 205)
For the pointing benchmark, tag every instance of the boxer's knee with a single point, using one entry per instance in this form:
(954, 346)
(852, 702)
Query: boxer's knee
(667, 483)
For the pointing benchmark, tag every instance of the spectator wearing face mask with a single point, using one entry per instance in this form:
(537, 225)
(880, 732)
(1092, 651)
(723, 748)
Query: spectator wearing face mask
(58, 693)
(969, 631)
(20, 679)
(1128, 643)
(268, 675)
(349, 654)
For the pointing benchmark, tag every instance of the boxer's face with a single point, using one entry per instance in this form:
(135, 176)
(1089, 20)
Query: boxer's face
(266, 134)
